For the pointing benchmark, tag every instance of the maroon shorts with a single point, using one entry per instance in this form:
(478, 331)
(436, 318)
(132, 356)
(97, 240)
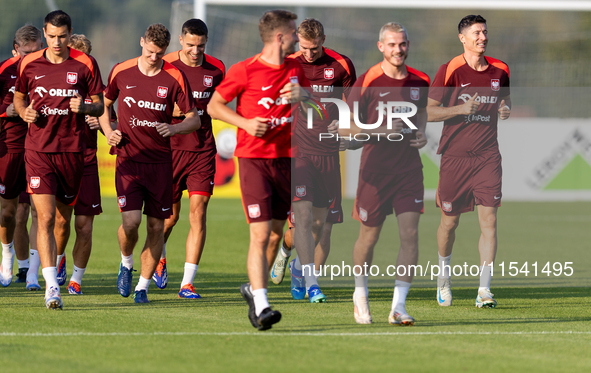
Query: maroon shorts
(24, 197)
(151, 183)
(89, 198)
(59, 174)
(316, 178)
(378, 195)
(13, 178)
(265, 185)
(192, 171)
(466, 181)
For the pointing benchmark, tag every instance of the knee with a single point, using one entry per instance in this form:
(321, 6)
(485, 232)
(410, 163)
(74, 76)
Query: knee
(83, 228)
(369, 237)
(8, 214)
(488, 222)
(317, 227)
(449, 225)
(130, 226)
(155, 227)
(409, 234)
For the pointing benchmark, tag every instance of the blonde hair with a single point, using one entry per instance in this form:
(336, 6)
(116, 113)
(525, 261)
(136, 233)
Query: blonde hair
(311, 29)
(392, 27)
(81, 43)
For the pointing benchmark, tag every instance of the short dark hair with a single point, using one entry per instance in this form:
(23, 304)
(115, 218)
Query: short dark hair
(194, 27)
(58, 18)
(468, 21)
(274, 20)
(26, 35)
(158, 34)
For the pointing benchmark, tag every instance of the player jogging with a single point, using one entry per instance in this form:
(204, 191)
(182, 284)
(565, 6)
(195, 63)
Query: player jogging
(56, 80)
(265, 86)
(193, 154)
(469, 94)
(148, 88)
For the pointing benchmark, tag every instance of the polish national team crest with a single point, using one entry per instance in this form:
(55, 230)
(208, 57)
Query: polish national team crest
(122, 201)
(72, 78)
(254, 211)
(2, 189)
(362, 214)
(328, 73)
(35, 182)
(294, 80)
(300, 191)
(207, 80)
(446, 206)
(162, 92)
(292, 217)
(414, 94)
(495, 84)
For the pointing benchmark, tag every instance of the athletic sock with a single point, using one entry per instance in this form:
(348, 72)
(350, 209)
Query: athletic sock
(127, 261)
(143, 284)
(361, 289)
(59, 260)
(7, 255)
(77, 275)
(485, 277)
(444, 267)
(285, 251)
(23, 263)
(50, 276)
(298, 264)
(308, 271)
(35, 263)
(260, 300)
(400, 292)
(189, 275)
(163, 255)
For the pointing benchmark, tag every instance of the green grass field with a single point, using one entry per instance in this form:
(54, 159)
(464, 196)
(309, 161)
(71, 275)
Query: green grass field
(542, 323)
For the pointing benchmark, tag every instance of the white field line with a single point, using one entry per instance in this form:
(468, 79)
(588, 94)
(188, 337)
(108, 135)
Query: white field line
(294, 334)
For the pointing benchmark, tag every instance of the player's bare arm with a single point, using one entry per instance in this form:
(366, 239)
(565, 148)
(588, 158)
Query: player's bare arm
(294, 92)
(421, 138)
(26, 112)
(218, 109)
(505, 108)
(95, 109)
(191, 123)
(11, 111)
(113, 136)
(438, 113)
(176, 112)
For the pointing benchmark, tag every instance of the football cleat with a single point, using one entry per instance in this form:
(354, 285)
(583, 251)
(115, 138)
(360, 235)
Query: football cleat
(247, 295)
(140, 296)
(188, 292)
(444, 297)
(315, 295)
(267, 318)
(402, 319)
(53, 299)
(21, 276)
(74, 288)
(361, 310)
(298, 282)
(161, 275)
(124, 280)
(5, 275)
(33, 286)
(32, 281)
(485, 299)
(61, 271)
(278, 270)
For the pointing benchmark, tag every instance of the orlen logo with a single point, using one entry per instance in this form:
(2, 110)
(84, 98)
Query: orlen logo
(482, 99)
(145, 104)
(12, 89)
(134, 122)
(56, 92)
(268, 101)
(40, 91)
(45, 111)
(129, 100)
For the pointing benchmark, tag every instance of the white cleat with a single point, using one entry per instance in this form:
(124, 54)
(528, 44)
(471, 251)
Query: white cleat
(485, 299)
(402, 319)
(53, 298)
(444, 297)
(6, 270)
(278, 270)
(361, 309)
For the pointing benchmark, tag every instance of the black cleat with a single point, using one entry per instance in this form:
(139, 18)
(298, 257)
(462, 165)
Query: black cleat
(21, 276)
(247, 295)
(267, 318)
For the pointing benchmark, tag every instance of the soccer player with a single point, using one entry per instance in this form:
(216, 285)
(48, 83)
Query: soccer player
(469, 94)
(193, 154)
(316, 175)
(390, 174)
(149, 89)
(13, 180)
(56, 80)
(265, 85)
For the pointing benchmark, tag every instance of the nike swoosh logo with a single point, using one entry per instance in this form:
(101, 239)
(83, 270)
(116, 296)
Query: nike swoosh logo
(166, 209)
(439, 296)
(13, 77)
(465, 85)
(70, 196)
(130, 86)
(495, 197)
(333, 211)
(265, 88)
(39, 77)
(95, 206)
(211, 183)
(418, 200)
(384, 94)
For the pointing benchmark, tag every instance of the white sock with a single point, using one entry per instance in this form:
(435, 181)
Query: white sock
(59, 259)
(444, 266)
(35, 263)
(50, 276)
(260, 300)
(127, 261)
(77, 275)
(143, 284)
(485, 277)
(7, 255)
(23, 263)
(298, 264)
(163, 256)
(361, 289)
(285, 253)
(189, 275)
(400, 293)
(308, 271)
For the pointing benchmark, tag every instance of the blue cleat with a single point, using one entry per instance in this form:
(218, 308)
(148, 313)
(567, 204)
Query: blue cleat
(124, 281)
(141, 296)
(74, 288)
(315, 295)
(298, 282)
(61, 271)
(161, 274)
(188, 292)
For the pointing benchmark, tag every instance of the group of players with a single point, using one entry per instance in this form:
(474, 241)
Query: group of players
(164, 144)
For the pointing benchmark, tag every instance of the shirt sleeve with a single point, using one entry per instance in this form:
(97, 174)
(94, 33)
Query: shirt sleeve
(234, 82)
(22, 82)
(184, 98)
(349, 79)
(438, 89)
(95, 82)
(112, 90)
